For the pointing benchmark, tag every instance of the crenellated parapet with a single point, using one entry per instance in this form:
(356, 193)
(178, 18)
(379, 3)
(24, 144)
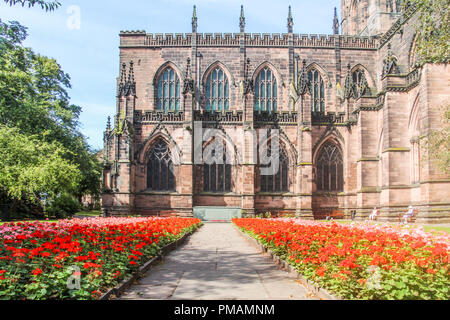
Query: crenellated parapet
(142, 39)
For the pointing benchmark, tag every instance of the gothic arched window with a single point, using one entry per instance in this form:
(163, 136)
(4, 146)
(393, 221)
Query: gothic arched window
(217, 175)
(160, 169)
(317, 91)
(266, 96)
(168, 91)
(217, 90)
(330, 169)
(277, 182)
(360, 85)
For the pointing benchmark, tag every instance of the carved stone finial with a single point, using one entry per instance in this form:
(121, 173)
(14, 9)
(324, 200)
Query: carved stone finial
(335, 22)
(390, 65)
(108, 124)
(131, 72)
(248, 83)
(290, 21)
(242, 20)
(194, 20)
(123, 80)
(303, 85)
(123, 73)
(188, 85)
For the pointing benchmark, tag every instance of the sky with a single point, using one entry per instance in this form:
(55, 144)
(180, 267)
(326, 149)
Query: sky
(83, 37)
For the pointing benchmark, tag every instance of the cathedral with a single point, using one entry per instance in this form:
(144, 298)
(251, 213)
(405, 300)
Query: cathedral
(342, 114)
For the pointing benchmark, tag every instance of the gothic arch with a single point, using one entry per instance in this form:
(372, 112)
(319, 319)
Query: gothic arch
(275, 71)
(414, 129)
(369, 77)
(287, 145)
(159, 132)
(412, 53)
(330, 133)
(225, 69)
(329, 139)
(231, 148)
(173, 101)
(220, 98)
(323, 72)
(163, 67)
(329, 166)
(414, 116)
(160, 169)
(215, 182)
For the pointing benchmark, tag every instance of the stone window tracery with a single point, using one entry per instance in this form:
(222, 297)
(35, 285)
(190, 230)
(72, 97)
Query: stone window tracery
(266, 95)
(278, 182)
(217, 175)
(330, 169)
(217, 90)
(317, 89)
(160, 168)
(168, 91)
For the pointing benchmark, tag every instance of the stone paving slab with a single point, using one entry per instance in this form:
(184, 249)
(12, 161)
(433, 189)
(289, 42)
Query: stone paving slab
(217, 263)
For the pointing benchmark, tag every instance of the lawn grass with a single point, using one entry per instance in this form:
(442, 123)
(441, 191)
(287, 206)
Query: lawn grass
(4, 222)
(93, 213)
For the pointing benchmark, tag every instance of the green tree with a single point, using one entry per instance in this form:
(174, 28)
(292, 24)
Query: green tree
(433, 30)
(30, 166)
(437, 142)
(46, 5)
(34, 101)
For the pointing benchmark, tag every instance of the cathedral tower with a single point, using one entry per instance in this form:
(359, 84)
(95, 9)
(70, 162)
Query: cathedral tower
(369, 17)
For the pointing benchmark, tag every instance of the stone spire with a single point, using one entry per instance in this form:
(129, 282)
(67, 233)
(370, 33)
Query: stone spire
(131, 72)
(335, 22)
(290, 21)
(242, 20)
(108, 124)
(194, 20)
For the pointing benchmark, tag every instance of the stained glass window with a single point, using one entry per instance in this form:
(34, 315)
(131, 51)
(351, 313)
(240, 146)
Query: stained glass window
(330, 169)
(317, 91)
(217, 176)
(266, 95)
(160, 169)
(168, 91)
(217, 90)
(279, 181)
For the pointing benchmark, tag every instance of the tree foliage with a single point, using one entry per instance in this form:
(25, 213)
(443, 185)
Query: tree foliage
(30, 166)
(35, 111)
(433, 30)
(437, 142)
(46, 5)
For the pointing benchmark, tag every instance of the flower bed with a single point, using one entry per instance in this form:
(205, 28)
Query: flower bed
(39, 259)
(360, 261)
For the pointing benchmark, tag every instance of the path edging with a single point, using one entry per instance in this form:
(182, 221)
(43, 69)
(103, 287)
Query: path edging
(312, 286)
(127, 282)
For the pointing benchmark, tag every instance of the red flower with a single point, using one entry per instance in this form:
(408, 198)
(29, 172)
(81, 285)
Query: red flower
(431, 271)
(321, 271)
(36, 272)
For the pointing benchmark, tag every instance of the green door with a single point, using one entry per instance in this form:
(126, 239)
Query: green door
(224, 214)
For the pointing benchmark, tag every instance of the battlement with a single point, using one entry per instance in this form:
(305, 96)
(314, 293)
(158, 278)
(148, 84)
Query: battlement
(143, 39)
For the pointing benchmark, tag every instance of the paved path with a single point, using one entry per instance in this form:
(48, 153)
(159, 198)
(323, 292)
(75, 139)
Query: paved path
(217, 263)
